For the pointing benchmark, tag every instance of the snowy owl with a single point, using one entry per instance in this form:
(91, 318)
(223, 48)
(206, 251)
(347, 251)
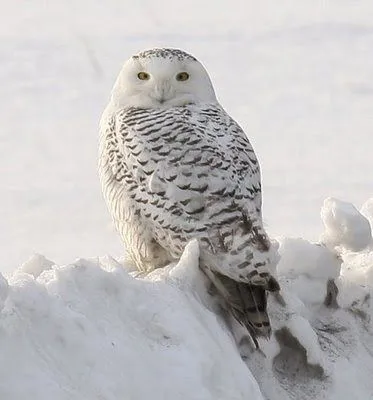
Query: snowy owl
(175, 166)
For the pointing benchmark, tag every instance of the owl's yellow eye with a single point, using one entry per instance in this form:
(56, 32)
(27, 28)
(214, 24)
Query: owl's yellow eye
(144, 76)
(182, 76)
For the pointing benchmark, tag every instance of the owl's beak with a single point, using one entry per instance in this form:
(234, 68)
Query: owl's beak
(162, 91)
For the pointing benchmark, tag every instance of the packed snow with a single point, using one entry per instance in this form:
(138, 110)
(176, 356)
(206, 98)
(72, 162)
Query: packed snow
(298, 77)
(95, 330)
(91, 331)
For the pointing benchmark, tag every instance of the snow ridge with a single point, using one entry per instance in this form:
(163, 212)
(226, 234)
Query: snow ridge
(91, 330)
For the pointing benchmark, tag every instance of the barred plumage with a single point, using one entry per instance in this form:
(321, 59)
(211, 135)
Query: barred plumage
(175, 166)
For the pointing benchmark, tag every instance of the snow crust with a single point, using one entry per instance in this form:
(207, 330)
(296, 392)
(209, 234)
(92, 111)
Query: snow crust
(89, 330)
(92, 330)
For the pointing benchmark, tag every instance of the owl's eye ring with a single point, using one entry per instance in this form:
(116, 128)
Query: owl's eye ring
(143, 76)
(182, 76)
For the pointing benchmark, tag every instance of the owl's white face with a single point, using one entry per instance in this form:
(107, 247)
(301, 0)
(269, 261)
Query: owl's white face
(162, 78)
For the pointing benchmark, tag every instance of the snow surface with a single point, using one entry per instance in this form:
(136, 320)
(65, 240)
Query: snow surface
(297, 75)
(91, 330)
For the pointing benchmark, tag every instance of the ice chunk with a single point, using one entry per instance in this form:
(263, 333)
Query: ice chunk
(300, 257)
(36, 264)
(345, 226)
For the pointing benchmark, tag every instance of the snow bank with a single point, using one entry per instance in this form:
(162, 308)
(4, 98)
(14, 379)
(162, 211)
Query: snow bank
(90, 330)
(323, 333)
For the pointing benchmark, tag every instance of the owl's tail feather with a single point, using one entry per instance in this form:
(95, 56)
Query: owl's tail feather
(246, 302)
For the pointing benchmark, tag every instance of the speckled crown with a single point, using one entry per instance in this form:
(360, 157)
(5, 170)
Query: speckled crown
(165, 53)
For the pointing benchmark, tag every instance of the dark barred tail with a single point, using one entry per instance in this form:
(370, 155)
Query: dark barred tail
(246, 302)
(252, 309)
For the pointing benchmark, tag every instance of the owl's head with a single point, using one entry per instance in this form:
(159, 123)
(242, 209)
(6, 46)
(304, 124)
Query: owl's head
(162, 78)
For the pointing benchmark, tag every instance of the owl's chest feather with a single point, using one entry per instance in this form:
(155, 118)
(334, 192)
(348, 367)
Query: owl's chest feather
(179, 137)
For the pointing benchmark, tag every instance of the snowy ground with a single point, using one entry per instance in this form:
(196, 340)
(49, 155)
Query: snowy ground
(296, 75)
(298, 78)
(91, 331)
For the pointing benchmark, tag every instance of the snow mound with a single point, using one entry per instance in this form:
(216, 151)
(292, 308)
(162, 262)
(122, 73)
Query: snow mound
(36, 264)
(91, 330)
(307, 267)
(344, 225)
(322, 347)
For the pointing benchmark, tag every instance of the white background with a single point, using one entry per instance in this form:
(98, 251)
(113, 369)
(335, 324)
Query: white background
(297, 75)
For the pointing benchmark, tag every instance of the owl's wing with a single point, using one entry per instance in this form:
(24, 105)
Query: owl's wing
(249, 178)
